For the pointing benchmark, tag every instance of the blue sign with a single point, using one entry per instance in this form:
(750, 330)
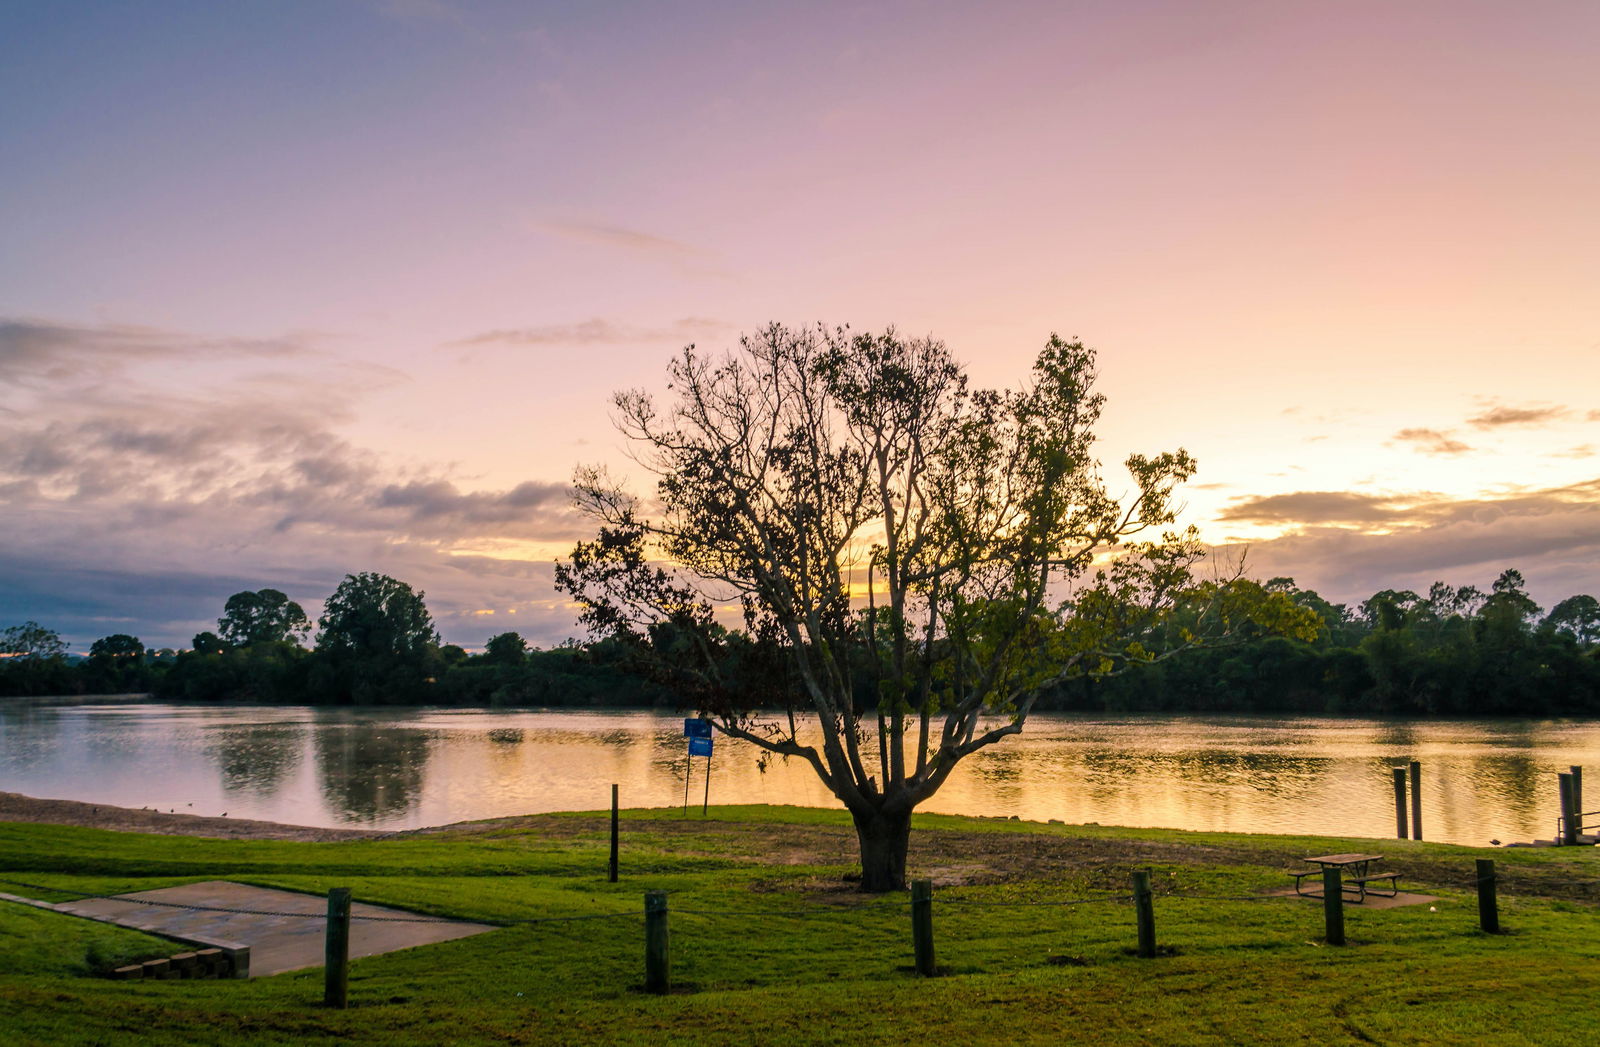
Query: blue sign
(697, 728)
(699, 746)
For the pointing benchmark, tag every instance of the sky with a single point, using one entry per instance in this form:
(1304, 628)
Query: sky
(290, 290)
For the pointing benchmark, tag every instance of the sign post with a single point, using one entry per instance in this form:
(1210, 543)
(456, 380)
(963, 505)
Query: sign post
(698, 732)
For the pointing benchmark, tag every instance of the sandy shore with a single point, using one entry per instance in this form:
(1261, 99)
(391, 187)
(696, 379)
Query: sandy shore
(14, 807)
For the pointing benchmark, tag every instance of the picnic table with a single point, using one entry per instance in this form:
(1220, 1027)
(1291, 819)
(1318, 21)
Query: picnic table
(1359, 884)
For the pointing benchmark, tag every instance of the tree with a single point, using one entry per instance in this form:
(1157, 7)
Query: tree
(32, 641)
(1577, 616)
(375, 615)
(117, 646)
(506, 649)
(208, 643)
(264, 616)
(376, 645)
(898, 542)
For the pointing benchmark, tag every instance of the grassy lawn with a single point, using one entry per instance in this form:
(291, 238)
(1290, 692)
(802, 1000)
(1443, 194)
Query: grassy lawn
(770, 943)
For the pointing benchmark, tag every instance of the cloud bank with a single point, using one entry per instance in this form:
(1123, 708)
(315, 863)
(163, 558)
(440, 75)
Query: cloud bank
(131, 507)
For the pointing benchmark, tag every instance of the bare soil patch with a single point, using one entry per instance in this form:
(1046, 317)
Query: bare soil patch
(14, 807)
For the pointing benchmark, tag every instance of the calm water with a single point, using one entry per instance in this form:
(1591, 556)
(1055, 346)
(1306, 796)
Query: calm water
(404, 768)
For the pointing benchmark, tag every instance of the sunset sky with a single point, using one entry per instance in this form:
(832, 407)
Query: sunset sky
(295, 289)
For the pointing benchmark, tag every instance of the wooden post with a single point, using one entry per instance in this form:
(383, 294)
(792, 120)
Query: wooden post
(613, 833)
(657, 959)
(1416, 800)
(1333, 904)
(1569, 811)
(1400, 829)
(1577, 792)
(706, 803)
(922, 926)
(1144, 908)
(336, 974)
(1488, 904)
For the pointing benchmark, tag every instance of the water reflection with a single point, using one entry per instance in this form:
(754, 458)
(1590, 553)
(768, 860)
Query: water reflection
(403, 768)
(257, 758)
(370, 773)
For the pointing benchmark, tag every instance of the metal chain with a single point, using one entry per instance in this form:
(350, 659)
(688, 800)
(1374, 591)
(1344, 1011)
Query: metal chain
(1052, 904)
(86, 896)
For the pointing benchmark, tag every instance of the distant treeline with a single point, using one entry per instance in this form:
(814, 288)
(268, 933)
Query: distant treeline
(1450, 652)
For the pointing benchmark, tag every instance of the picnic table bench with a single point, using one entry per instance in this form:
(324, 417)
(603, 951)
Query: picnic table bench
(1361, 884)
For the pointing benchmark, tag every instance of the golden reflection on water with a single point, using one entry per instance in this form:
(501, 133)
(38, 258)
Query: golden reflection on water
(392, 768)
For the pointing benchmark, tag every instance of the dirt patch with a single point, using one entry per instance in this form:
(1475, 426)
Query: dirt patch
(14, 807)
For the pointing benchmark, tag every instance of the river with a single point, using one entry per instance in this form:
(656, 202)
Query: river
(397, 768)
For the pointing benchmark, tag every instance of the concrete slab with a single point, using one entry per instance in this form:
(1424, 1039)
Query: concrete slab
(277, 943)
(1373, 901)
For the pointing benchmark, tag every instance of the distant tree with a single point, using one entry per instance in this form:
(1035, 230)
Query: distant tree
(373, 614)
(32, 640)
(117, 646)
(264, 616)
(1578, 617)
(376, 645)
(208, 643)
(1389, 608)
(452, 654)
(506, 649)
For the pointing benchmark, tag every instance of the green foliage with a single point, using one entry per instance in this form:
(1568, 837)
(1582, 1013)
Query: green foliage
(506, 649)
(117, 646)
(374, 615)
(32, 640)
(265, 616)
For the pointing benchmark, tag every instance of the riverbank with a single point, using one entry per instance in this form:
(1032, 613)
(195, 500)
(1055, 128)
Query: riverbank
(15, 807)
(772, 943)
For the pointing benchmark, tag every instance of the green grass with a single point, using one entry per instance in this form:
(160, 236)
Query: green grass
(785, 952)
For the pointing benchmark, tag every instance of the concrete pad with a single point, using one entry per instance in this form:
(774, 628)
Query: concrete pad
(276, 943)
(1373, 901)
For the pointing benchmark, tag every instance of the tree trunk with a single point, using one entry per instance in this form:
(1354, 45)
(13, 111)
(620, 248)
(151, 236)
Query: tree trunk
(884, 837)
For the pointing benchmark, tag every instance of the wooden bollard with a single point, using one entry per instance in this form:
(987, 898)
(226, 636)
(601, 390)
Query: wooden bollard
(157, 968)
(336, 951)
(1333, 905)
(1577, 792)
(613, 833)
(1144, 908)
(1569, 811)
(657, 958)
(1416, 800)
(922, 926)
(132, 970)
(186, 966)
(1400, 829)
(1488, 903)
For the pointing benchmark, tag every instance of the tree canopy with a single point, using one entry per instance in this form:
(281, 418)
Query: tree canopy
(32, 640)
(905, 543)
(374, 615)
(117, 645)
(264, 616)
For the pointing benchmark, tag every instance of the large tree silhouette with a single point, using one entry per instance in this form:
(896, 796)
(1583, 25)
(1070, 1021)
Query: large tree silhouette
(922, 557)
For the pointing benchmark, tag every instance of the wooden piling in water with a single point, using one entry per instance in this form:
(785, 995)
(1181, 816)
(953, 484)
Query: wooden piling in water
(922, 926)
(1577, 791)
(1333, 904)
(1400, 829)
(657, 956)
(336, 950)
(1569, 812)
(1416, 800)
